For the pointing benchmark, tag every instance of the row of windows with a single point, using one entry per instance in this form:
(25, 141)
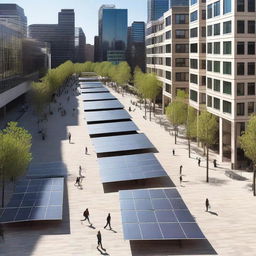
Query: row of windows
(179, 76)
(241, 5)
(214, 9)
(215, 103)
(214, 66)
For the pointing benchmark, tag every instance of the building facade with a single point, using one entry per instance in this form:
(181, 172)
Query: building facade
(80, 42)
(221, 65)
(89, 52)
(112, 34)
(156, 9)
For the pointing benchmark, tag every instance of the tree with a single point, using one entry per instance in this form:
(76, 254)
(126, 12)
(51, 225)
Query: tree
(123, 73)
(176, 112)
(191, 126)
(15, 156)
(248, 144)
(207, 129)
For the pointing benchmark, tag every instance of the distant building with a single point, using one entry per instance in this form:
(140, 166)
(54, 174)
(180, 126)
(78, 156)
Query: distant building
(89, 52)
(80, 42)
(156, 9)
(136, 53)
(96, 49)
(112, 33)
(61, 36)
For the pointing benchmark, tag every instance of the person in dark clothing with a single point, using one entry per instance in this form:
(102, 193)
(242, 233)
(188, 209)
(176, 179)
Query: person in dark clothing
(199, 161)
(207, 204)
(181, 167)
(78, 179)
(180, 179)
(99, 240)
(215, 163)
(86, 216)
(108, 222)
(86, 150)
(69, 137)
(173, 152)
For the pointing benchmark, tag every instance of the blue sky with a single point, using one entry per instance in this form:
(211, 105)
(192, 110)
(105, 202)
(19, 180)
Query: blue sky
(86, 11)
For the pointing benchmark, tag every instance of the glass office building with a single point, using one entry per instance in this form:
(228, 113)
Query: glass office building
(138, 32)
(156, 9)
(112, 33)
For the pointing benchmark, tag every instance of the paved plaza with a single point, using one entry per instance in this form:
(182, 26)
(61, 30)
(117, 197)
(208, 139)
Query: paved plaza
(229, 227)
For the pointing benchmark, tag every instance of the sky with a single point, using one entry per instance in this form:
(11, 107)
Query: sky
(86, 12)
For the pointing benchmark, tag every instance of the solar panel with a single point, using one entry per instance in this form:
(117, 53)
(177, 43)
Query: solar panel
(35, 199)
(156, 214)
(130, 142)
(102, 105)
(105, 116)
(95, 90)
(130, 167)
(93, 78)
(91, 85)
(49, 169)
(108, 128)
(98, 96)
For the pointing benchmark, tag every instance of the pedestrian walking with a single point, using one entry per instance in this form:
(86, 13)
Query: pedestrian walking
(180, 179)
(181, 167)
(78, 181)
(69, 137)
(215, 163)
(99, 240)
(108, 222)
(173, 152)
(207, 204)
(86, 216)
(80, 171)
(86, 150)
(199, 161)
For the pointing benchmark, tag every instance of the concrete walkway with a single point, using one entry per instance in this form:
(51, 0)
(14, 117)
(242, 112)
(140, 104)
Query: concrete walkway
(230, 228)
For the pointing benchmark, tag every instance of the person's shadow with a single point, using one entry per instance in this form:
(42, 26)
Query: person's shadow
(114, 231)
(213, 213)
(103, 251)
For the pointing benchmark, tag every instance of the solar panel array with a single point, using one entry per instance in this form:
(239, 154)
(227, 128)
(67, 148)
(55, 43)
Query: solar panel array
(91, 85)
(35, 199)
(130, 167)
(94, 90)
(98, 96)
(156, 214)
(102, 105)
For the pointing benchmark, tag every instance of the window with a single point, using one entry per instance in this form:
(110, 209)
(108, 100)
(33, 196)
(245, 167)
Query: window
(226, 68)
(181, 76)
(227, 6)
(203, 48)
(227, 27)
(168, 88)
(216, 85)
(251, 26)
(240, 5)
(181, 62)
(209, 101)
(193, 95)
(251, 68)
(217, 29)
(194, 63)
(209, 47)
(216, 66)
(227, 47)
(168, 21)
(168, 75)
(168, 34)
(181, 33)
(193, 79)
(240, 109)
(193, 2)
(203, 64)
(209, 11)
(250, 108)
(209, 30)
(203, 14)
(227, 87)
(216, 103)
(240, 89)
(209, 83)
(251, 5)
(203, 81)
(193, 48)
(226, 107)
(240, 48)
(216, 48)
(203, 31)
(193, 16)
(209, 65)
(193, 32)
(251, 89)
(168, 61)
(181, 48)
(240, 68)
(216, 9)
(240, 26)
(181, 19)
(168, 48)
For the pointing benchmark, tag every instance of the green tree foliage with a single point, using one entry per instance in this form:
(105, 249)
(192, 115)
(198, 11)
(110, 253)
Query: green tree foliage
(123, 73)
(15, 156)
(248, 144)
(176, 112)
(207, 129)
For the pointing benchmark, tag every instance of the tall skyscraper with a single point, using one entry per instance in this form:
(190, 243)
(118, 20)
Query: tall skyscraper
(80, 41)
(156, 9)
(61, 36)
(96, 49)
(112, 34)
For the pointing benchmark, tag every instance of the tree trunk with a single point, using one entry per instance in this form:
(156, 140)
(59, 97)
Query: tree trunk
(145, 109)
(154, 107)
(3, 188)
(175, 135)
(150, 103)
(207, 164)
(254, 176)
(188, 147)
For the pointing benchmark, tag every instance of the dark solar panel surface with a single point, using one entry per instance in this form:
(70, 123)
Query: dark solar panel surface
(95, 90)
(111, 115)
(35, 199)
(122, 143)
(104, 104)
(49, 169)
(98, 96)
(91, 85)
(130, 167)
(156, 214)
(128, 126)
